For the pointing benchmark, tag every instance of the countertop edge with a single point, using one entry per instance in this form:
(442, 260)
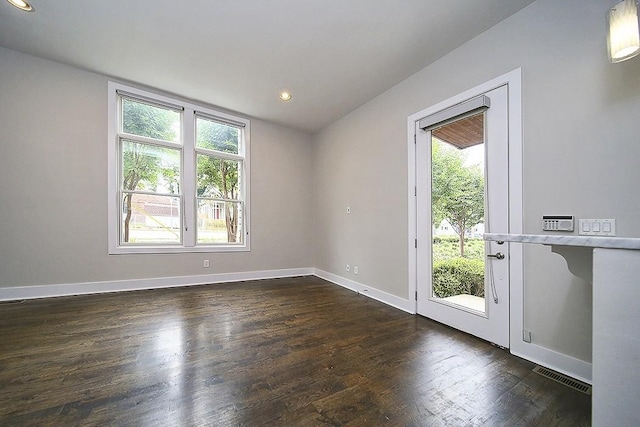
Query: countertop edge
(585, 241)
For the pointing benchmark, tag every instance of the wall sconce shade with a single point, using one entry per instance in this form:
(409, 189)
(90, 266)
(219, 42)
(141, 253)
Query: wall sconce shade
(623, 32)
(22, 5)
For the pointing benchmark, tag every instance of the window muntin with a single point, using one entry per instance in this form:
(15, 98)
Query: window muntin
(181, 176)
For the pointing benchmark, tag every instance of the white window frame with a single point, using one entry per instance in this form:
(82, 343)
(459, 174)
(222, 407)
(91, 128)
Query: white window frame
(188, 175)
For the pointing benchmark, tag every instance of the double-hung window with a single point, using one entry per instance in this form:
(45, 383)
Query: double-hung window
(178, 175)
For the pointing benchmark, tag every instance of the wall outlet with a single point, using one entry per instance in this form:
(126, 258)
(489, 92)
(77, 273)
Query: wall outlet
(205, 264)
(348, 268)
(348, 209)
(355, 269)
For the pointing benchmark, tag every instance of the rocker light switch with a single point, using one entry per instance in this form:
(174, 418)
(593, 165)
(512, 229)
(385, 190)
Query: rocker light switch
(598, 227)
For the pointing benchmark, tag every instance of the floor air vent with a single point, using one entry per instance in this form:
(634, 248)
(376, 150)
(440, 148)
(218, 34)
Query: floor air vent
(563, 379)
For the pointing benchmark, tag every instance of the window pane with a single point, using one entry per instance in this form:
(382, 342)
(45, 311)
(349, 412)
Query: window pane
(218, 178)
(150, 168)
(220, 222)
(217, 136)
(150, 121)
(150, 219)
(458, 202)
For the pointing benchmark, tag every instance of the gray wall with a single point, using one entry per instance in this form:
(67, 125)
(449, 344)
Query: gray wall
(53, 186)
(581, 151)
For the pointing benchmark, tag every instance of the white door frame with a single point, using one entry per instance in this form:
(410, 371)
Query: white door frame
(493, 324)
(514, 99)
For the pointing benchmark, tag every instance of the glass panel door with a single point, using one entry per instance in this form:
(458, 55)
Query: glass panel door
(462, 191)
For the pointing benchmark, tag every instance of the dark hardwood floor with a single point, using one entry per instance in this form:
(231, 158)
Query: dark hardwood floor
(285, 352)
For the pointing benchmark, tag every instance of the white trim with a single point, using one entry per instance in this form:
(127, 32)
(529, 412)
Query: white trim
(575, 368)
(112, 173)
(376, 294)
(189, 201)
(48, 291)
(412, 129)
(516, 212)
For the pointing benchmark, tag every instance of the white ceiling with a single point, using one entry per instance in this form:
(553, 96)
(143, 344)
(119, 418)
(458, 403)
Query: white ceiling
(332, 55)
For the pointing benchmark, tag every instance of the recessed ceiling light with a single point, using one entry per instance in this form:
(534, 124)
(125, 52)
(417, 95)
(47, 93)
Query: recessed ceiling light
(285, 96)
(22, 5)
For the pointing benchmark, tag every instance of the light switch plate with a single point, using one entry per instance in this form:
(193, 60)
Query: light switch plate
(597, 227)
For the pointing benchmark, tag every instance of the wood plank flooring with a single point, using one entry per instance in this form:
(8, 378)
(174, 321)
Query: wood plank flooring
(284, 352)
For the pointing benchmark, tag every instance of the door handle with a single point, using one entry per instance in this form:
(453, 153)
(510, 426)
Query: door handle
(499, 255)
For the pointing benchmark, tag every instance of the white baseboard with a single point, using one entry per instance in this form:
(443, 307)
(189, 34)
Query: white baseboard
(47, 291)
(378, 295)
(576, 368)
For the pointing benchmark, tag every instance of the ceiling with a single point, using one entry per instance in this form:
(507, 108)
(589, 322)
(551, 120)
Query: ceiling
(332, 55)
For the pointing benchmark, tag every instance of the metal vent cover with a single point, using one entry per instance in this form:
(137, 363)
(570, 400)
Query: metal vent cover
(563, 379)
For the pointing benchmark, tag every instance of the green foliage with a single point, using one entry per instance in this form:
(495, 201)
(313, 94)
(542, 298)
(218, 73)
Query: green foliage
(457, 190)
(458, 276)
(148, 120)
(144, 164)
(217, 136)
(217, 178)
(448, 247)
(445, 164)
(458, 197)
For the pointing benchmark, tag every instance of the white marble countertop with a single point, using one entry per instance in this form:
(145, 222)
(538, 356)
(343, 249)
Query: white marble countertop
(570, 240)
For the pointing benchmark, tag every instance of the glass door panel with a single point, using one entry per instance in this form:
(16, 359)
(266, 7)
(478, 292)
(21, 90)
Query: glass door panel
(458, 204)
